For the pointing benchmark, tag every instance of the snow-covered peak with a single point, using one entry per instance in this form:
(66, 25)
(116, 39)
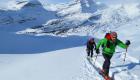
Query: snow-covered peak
(18, 4)
(15, 5)
(91, 5)
(25, 12)
(33, 3)
(89, 13)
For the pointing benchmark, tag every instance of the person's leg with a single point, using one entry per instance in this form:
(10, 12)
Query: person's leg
(106, 64)
(91, 53)
(88, 52)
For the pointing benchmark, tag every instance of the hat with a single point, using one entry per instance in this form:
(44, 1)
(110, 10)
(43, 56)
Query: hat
(91, 39)
(113, 34)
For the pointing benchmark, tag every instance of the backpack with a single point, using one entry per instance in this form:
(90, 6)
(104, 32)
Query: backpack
(108, 36)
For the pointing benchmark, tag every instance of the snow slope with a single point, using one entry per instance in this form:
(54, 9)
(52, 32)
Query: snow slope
(55, 65)
(63, 64)
(23, 44)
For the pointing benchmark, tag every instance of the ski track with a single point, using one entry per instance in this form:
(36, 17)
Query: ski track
(125, 71)
(90, 72)
(117, 73)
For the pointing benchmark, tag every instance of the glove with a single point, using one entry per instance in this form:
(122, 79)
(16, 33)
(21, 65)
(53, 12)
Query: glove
(97, 51)
(127, 42)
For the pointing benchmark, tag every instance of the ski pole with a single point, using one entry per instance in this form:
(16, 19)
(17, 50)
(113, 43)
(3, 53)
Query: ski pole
(125, 56)
(95, 59)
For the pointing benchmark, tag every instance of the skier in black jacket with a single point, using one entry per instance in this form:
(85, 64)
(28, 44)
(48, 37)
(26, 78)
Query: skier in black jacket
(90, 46)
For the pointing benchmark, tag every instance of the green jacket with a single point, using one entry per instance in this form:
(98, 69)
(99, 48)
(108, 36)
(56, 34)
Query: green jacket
(111, 49)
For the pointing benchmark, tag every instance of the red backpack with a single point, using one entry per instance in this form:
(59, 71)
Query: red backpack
(108, 36)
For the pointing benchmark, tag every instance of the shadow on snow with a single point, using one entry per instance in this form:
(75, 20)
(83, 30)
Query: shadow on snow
(11, 43)
(128, 66)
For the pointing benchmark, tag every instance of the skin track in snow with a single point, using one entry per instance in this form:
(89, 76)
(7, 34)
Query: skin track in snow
(98, 69)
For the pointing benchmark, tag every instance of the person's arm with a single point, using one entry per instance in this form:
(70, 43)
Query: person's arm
(87, 44)
(100, 43)
(121, 44)
(94, 45)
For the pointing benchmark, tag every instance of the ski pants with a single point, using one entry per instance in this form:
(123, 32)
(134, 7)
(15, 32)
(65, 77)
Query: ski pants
(90, 52)
(106, 64)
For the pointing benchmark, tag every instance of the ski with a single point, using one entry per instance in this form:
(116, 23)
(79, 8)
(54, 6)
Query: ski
(98, 69)
(103, 75)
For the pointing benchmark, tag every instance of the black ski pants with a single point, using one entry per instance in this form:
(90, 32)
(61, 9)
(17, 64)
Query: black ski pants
(106, 64)
(90, 52)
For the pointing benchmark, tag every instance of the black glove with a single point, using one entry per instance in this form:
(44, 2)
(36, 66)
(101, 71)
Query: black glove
(127, 42)
(97, 51)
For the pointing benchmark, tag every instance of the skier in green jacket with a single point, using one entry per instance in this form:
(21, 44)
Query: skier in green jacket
(109, 44)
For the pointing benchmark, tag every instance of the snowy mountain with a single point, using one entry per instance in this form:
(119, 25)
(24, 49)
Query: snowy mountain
(87, 14)
(25, 14)
(69, 17)
(42, 41)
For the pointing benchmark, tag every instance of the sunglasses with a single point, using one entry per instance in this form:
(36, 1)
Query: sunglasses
(114, 37)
